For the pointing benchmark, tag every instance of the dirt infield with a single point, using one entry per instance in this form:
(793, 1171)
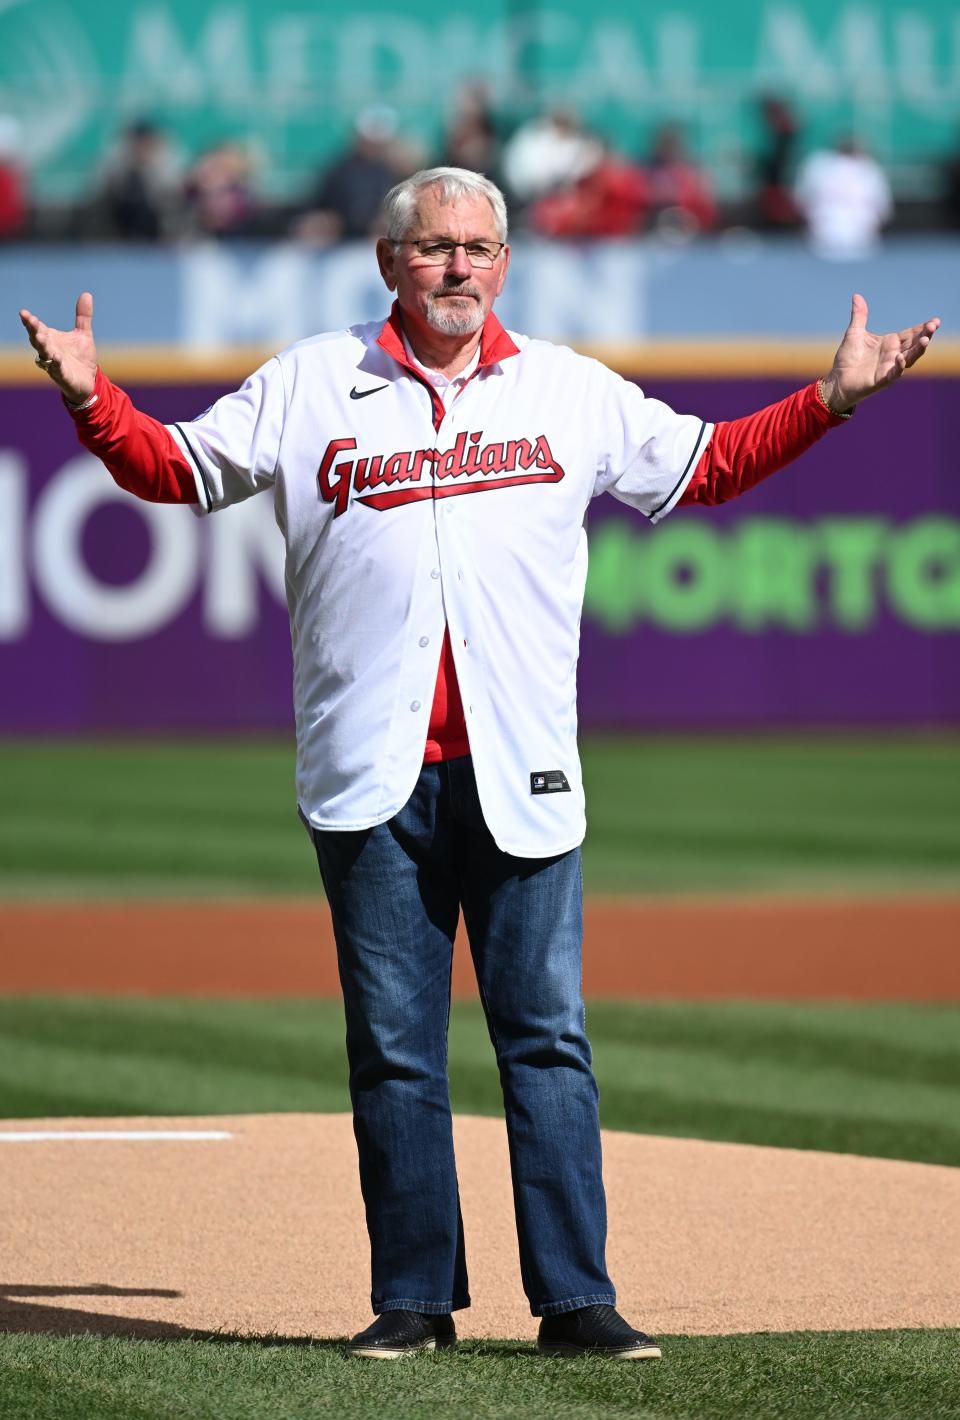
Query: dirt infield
(262, 1232)
(896, 948)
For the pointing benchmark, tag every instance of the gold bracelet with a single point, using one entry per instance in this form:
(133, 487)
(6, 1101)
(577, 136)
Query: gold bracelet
(824, 401)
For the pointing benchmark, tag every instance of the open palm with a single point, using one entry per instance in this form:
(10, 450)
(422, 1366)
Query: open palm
(69, 357)
(866, 363)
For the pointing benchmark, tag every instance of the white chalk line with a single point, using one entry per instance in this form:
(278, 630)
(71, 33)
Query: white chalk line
(38, 1136)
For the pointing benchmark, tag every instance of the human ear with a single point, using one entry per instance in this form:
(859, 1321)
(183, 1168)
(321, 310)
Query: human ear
(387, 262)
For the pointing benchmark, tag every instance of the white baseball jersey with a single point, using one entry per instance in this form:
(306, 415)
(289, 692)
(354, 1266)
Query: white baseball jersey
(401, 515)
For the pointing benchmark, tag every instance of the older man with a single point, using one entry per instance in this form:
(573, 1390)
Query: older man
(435, 635)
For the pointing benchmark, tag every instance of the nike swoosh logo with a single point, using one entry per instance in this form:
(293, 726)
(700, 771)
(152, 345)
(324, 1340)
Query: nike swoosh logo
(362, 394)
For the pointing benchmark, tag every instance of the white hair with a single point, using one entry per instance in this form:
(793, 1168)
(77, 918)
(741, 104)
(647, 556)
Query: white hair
(399, 205)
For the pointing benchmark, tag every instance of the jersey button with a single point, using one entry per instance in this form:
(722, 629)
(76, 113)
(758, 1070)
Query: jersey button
(424, 640)
(415, 705)
(435, 573)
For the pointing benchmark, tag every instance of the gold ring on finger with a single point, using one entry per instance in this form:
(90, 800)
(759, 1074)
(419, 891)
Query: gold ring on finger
(44, 364)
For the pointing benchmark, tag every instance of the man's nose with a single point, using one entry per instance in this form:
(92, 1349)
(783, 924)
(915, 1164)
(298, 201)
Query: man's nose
(458, 264)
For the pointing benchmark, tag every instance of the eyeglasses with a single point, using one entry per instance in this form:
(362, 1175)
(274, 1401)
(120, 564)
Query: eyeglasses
(439, 251)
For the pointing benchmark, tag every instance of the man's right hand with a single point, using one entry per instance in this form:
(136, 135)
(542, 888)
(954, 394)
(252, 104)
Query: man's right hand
(69, 357)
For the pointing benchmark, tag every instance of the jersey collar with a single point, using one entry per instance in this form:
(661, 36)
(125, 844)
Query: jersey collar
(495, 343)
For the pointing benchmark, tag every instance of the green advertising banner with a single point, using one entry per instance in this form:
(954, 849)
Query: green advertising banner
(289, 77)
(845, 574)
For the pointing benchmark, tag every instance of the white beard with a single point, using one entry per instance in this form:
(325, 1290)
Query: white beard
(451, 320)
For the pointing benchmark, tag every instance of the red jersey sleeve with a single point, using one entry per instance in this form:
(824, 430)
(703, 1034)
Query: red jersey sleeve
(139, 453)
(742, 452)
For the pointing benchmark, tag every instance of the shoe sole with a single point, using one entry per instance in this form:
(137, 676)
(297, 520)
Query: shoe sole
(626, 1353)
(397, 1353)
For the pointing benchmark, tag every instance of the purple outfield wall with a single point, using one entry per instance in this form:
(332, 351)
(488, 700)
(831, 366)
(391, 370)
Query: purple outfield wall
(830, 595)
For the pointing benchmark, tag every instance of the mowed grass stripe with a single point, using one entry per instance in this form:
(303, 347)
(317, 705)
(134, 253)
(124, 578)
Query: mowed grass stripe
(134, 1082)
(803, 1076)
(184, 814)
(772, 811)
(900, 1375)
(870, 813)
(902, 1041)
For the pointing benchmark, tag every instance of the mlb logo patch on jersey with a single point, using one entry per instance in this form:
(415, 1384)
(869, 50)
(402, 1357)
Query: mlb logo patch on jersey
(549, 781)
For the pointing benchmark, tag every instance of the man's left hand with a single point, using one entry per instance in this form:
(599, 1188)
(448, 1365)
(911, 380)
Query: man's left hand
(865, 363)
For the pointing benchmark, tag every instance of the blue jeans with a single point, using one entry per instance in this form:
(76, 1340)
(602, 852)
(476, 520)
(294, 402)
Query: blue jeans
(395, 893)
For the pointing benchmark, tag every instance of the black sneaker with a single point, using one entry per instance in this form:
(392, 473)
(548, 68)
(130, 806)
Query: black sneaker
(396, 1334)
(594, 1331)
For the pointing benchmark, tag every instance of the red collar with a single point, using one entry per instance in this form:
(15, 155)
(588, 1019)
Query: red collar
(495, 343)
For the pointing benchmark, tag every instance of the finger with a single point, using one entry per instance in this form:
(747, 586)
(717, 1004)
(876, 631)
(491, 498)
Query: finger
(46, 345)
(43, 342)
(897, 367)
(30, 322)
(914, 332)
(913, 354)
(85, 312)
(37, 332)
(858, 312)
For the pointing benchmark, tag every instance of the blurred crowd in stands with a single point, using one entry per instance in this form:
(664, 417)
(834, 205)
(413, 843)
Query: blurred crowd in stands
(561, 180)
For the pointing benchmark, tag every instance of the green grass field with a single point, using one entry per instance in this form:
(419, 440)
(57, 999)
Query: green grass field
(906, 1375)
(867, 1079)
(666, 814)
(870, 1079)
(879, 1079)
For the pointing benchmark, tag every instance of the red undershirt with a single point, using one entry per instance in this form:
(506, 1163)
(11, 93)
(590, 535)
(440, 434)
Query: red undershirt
(143, 458)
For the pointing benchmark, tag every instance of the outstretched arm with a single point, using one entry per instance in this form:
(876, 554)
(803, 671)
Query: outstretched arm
(744, 451)
(139, 452)
(865, 363)
(69, 357)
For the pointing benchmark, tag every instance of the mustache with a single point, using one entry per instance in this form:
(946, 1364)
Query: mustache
(456, 288)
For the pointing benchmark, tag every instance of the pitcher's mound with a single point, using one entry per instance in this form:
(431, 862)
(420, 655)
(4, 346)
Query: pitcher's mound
(261, 1232)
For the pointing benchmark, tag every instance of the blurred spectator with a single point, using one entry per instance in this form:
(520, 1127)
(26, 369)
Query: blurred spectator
(610, 200)
(845, 198)
(219, 192)
(951, 188)
(140, 197)
(472, 140)
(775, 208)
(349, 197)
(13, 193)
(546, 153)
(680, 196)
